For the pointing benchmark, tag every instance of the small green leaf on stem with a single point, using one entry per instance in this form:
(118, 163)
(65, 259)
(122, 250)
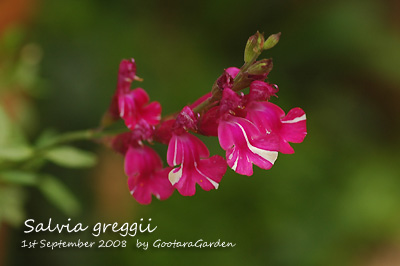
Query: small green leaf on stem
(15, 153)
(59, 195)
(19, 177)
(46, 137)
(70, 157)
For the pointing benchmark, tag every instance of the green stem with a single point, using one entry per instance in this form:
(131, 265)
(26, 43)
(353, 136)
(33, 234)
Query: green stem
(204, 105)
(70, 137)
(88, 134)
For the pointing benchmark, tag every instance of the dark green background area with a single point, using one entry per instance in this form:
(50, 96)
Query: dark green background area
(336, 201)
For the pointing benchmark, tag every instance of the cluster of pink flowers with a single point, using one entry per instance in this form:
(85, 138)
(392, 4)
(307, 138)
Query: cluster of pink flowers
(250, 128)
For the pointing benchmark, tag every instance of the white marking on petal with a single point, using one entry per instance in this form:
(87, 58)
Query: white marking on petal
(231, 155)
(234, 166)
(215, 184)
(157, 196)
(295, 120)
(122, 109)
(175, 176)
(270, 156)
(175, 151)
(133, 191)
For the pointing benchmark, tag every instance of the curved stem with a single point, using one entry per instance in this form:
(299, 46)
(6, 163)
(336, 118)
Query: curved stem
(88, 134)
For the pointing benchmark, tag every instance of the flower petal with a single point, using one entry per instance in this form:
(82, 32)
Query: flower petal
(294, 126)
(185, 145)
(271, 121)
(232, 71)
(133, 107)
(146, 176)
(189, 154)
(208, 122)
(143, 186)
(206, 172)
(240, 138)
(151, 113)
(265, 115)
(141, 159)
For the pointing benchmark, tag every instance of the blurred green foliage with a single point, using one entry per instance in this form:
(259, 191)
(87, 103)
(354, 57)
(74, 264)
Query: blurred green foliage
(21, 162)
(334, 202)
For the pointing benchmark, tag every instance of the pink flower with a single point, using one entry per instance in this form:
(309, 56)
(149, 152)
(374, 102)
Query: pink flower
(189, 156)
(126, 75)
(186, 120)
(163, 132)
(225, 81)
(250, 129)
(244, 145)
(123, 141)
(232, 71)
(230, 102)
(146, 177)
(208, 122)
(270, 119)
(133, 107)
(261, 91)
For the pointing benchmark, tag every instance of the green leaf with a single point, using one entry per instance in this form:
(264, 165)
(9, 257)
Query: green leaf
(45, 137)
(11, 205)
(59, 195)
(19, 177)
(70, 157)
(15, 153)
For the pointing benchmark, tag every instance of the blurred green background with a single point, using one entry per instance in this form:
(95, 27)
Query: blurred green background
(336, 201)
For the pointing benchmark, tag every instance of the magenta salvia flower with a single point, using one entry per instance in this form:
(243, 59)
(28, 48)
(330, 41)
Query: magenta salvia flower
(146, 177)
(126, 75)
(244, 146)
(189, 155)
(271, 121)
(133, 107)
(232, 71)
(186, 120)
(261, 91)
(250, 129)
(142, 132)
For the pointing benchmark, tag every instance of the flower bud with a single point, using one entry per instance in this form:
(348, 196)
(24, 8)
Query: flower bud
(253, 47)
(225, 81)
(260, 67)
(186, 120)
(271, 41)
